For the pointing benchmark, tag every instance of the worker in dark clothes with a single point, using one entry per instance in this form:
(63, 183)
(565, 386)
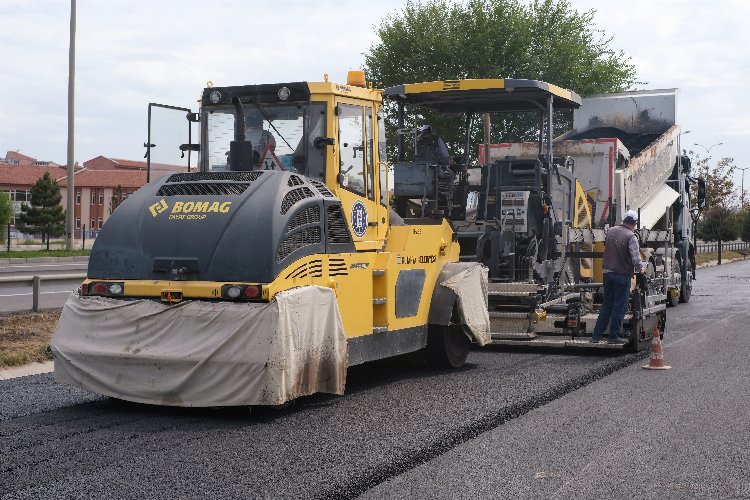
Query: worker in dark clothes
(431, 147)
(622, 259)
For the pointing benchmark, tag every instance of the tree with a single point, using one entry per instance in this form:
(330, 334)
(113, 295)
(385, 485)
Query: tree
(718, 177)
(45, 214)
(6, 212)
(117, 198)
(718, 224)
(744, 224)
(444, 40)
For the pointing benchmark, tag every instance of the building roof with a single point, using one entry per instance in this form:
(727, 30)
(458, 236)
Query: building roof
(15, 155)
(26, 175)
(113, 178)
(105, 163)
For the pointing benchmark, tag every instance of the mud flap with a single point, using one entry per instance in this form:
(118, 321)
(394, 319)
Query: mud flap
(200, 353)
(464, 284)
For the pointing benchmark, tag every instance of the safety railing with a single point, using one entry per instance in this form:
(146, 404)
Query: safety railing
(713, 247)
(37, 281)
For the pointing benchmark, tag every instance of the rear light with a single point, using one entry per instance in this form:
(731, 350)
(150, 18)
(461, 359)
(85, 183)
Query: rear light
(241, 292)
(103, 288)
(572, 323)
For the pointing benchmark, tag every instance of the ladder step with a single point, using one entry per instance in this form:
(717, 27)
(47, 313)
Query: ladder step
(513, 335)
(379, 329)
(378, 300)
(378, 272)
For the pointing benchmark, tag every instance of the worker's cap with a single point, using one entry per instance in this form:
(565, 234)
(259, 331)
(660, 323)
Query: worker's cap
(631, 216)
(425, 128)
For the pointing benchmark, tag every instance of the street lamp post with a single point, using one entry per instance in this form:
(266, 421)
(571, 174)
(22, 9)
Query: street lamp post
(708, 149)
(742, 191)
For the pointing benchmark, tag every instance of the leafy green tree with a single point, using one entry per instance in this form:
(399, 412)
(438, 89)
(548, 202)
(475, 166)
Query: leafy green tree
(744, 224)
(718, 224)
(446, 40)
(718, 177)
(45, 214)
(117, 198)
(6, 212)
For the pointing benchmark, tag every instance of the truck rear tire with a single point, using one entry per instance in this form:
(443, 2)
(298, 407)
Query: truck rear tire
(687, 288)
(447, 346)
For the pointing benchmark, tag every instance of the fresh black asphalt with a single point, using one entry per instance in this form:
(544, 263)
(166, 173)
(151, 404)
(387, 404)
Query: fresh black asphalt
(401, 430)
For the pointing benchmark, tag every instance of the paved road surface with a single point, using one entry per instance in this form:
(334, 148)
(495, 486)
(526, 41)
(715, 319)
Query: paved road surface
(682, 433)
(17, 296)
(510, 424)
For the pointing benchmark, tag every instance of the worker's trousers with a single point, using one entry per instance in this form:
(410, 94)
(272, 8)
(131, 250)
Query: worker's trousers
(615, 305)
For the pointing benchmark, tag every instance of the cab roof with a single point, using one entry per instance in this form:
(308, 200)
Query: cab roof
(483, 95)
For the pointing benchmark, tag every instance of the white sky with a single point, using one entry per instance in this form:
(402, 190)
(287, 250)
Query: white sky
(132, 52)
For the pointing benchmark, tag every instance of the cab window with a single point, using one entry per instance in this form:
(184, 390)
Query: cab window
(383, 168)
(352, 148)
(369, 155)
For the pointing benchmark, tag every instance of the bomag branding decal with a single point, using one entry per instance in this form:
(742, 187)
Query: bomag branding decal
(414, 259)
(190, 210)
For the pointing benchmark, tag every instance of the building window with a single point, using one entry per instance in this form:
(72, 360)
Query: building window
(93, 223)
(101, 197)
(93, 196)
(100, 223)
(78, 223)
(78, 197)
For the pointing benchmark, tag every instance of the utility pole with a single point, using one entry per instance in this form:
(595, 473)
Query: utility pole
(742, 195)
(71, 127)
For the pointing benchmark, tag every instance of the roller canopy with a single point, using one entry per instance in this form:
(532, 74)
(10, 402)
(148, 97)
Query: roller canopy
(484, 95)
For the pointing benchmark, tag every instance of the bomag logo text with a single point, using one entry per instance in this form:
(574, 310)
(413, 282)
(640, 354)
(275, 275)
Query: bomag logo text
(190, 210)
(197, 210)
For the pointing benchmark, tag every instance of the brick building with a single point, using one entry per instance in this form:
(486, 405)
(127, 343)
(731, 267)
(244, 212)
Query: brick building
(95, 184)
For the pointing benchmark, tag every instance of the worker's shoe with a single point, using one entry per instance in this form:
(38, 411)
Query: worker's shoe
(617, 340)
(595, 340)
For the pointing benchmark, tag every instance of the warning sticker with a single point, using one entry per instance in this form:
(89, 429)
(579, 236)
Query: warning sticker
(269, 160)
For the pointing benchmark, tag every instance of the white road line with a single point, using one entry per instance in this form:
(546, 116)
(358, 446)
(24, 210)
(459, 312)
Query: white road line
(41, 293)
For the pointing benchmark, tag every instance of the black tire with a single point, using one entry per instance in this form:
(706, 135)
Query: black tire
(447, 346)
(687, 288)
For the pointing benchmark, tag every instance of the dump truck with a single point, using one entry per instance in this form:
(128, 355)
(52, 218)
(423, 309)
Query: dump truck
(265, 274)
(624, 149)
(531, 212)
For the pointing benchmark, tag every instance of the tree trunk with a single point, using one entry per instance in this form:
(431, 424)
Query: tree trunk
(719, 252)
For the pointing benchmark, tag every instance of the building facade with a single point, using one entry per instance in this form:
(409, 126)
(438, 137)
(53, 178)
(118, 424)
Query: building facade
(99, 186)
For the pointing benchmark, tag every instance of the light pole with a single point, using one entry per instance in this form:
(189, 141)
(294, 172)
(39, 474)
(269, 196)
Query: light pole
(742, 195)
(69, 227)
(708, 149)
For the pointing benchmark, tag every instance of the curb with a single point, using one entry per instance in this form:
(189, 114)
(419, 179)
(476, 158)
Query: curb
(715, 263)
(43, 260)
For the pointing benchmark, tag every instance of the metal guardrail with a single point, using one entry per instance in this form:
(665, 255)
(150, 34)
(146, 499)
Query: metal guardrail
(36, 283)
(725, 245)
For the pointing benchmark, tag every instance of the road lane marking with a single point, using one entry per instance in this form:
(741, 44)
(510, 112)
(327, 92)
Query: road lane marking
(41, 293)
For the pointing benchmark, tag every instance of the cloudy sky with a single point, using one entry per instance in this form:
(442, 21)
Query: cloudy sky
(132, 52)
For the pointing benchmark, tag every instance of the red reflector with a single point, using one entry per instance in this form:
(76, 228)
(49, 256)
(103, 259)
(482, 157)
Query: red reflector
(84, 288)
(252, 292)
(99, 289)
(572, 323)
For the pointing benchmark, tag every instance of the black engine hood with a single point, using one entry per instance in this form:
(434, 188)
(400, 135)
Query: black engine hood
(219, 226)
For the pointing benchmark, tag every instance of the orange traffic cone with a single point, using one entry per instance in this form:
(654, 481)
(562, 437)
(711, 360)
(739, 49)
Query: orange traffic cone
(656, 361)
